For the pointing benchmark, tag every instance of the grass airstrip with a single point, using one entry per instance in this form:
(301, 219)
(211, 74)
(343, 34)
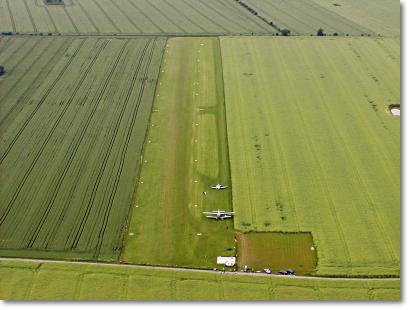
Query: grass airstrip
(186, 143)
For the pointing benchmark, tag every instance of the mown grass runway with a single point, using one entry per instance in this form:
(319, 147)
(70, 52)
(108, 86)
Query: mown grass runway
(73, 119)
(65, 281)
(185, 153)
(312, 147)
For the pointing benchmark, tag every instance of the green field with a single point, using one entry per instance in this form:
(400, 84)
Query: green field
(164, 17)
(116, 118)
(50, 281)
(344, 17)
(277, 251)
(185, 154)
(74, 114)
(312, 147)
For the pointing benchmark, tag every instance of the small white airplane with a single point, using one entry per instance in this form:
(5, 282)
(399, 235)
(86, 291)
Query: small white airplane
(219, 186)
(219, 214)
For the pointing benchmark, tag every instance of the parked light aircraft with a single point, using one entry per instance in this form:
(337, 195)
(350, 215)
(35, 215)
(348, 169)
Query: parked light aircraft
(219, 186)
(219, 214)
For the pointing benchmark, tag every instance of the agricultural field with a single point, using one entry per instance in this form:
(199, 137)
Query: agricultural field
(344, 17)
(117, 117)
(74, 113)
(185, 154)
(68, 281)
(164, 17)
(313, 147)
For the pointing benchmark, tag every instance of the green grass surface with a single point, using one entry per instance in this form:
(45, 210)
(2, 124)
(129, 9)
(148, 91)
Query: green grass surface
(312, 147)
(305, 17)
(277, 251)
(65, 281)
(73, 118)
(173, 17)
(380, 16)
(185, 154)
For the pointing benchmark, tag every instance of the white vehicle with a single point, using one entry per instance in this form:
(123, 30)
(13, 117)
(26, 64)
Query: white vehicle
(267, 270)
(219, 186)
(219, 214)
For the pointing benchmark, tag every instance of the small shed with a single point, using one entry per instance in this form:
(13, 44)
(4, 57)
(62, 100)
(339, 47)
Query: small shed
(228, 261)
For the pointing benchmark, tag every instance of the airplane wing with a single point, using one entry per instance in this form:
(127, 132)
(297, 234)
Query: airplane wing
(225, 217)
(227, 213)
(210, 212)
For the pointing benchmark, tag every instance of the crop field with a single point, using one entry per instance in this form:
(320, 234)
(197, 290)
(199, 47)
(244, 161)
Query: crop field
(176, 17)
(313, 148)
(344, 17)
(73, 117)
(117, 118)
(50, 281)
(185, 154)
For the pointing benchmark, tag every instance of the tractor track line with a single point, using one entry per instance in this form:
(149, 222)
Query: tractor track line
(70, 19)
(105, 158)
(124, 150)
(72, 152)
(88, 17)
(28, 69)
(48, 137)
(32, 86)
(96, 100)
(48, 91)
(107, 16)
(118, 7)
(146, 16)
(74, 184)
(13, 24)
(30, 16)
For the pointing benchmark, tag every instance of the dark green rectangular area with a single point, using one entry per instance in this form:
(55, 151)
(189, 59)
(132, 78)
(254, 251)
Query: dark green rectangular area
(277, 251)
